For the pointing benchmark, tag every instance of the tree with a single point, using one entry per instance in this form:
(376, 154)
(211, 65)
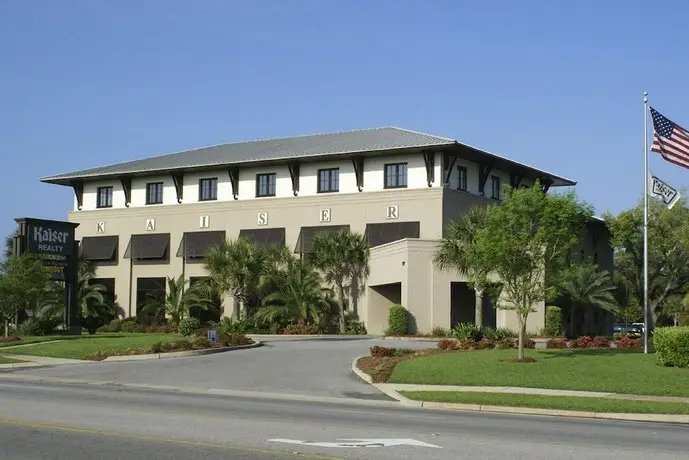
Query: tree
(342, 256)
(178, 300)
(23, 283)
(360, 270)
(90, 299)
(528, 234)
(9, 245)
(587, 287)
(668, 252)
(299, 297)
(455, 252)
(241, 267)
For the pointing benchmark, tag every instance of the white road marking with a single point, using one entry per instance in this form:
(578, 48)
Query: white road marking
(386, 442)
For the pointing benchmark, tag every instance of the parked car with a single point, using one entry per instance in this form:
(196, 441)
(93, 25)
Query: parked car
(628, 328)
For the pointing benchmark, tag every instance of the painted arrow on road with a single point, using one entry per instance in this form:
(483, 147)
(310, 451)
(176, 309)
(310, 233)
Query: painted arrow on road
(359, 443)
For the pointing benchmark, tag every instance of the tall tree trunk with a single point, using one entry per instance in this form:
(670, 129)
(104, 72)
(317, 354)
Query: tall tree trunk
(354, 297)
(340, 292)
(7, 328)
(522, 334)
(478, 308)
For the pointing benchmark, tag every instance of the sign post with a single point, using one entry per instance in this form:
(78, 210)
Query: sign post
(55, 243)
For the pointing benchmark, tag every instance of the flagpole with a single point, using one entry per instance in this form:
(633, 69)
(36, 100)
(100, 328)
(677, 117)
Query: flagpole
(646, 312)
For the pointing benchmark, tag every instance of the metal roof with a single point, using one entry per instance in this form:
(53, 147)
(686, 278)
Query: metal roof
(374, 140)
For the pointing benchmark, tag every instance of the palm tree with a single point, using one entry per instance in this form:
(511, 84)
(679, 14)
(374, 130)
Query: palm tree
(299, 297)
(587, 287)
(9, 245)
(455, 252)
(92, 305)
(360, 270)
(178, 300)
(241, 267)
(341, 256)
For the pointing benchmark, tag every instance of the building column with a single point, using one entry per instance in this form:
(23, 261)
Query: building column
(478, 308)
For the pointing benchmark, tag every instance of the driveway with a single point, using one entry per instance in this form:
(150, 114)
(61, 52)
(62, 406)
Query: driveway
(302, 366)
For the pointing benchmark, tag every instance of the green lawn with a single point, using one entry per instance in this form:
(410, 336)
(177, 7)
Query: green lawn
(551, 402)
(9, 360)
(79, 347)
(618, 371)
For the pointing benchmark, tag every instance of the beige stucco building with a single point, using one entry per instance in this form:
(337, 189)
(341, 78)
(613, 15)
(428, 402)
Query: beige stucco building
(145, 220)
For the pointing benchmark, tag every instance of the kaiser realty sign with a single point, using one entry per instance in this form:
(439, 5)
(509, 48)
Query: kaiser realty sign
(52, 240)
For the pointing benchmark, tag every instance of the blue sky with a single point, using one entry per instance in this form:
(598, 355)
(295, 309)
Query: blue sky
(554, 84)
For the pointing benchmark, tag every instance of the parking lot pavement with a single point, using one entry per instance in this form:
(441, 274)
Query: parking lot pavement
(316, 367)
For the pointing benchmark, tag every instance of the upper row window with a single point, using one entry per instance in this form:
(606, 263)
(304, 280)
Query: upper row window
(328, 180)
(265, 184)
(208, 189)
(154, 193)
(104, 197)
(395, 175)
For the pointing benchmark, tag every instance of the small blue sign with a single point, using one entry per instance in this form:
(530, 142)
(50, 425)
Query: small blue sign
(213, 336)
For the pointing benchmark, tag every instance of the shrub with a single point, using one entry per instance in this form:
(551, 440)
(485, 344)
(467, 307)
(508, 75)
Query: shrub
(498, 334)
(129, 325)
(232, 326)
(448, 344)
(439, 332)
(9, 339)
(672, 346)
(584, 341)
(356, 328)
(233, 340)
(506, 343)
(188, 326)
(529, 343)
(467, 331)
(113, 326)
(553, 321)
(556, 343)
(299, 329)
(157, 347)
(200, 342)
(382, 352)
(627, 342)
(572, 344)
(397, 320)
(600, 342)
(483, 344)
(38, 326)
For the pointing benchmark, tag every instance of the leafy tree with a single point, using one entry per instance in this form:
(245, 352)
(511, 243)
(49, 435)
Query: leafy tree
(341, 256)
(668, 252)
(23, 284)
(587, 287)
(241, 268)
(178, 300)
(518, 241)
(299, 297)
(360, 271)
(455, 252)
(9, 245)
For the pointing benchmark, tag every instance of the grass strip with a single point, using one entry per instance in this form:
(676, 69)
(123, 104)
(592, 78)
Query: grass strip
(573, 403)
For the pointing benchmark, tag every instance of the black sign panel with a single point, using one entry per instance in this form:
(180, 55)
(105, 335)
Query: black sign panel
(53, 241)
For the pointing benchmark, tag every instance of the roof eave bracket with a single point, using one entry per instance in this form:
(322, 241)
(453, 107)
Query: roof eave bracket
(294, 175)
(127, 189)
(483, 173)
(234, 180)
(515, 180)
(178, 180)
(358, 163)
(78, 187)
(449, 161)
(545, 184)
(429, 161)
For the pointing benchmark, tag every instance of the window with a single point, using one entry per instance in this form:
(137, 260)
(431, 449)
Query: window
(462, 174)
(104, 197)
(265, 184)
(495, 185)
(328, 180)
(154, 193)
(396, 175)
(208, 189)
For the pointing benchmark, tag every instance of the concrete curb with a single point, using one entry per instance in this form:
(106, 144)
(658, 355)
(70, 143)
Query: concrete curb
(179, 354)
(388, 390)
(412, 339)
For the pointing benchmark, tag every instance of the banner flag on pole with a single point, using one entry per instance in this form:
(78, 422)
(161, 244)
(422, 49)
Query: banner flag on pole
(670, 140)
(663, 191)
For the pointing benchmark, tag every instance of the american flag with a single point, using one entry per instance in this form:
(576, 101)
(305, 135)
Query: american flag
(670, 140)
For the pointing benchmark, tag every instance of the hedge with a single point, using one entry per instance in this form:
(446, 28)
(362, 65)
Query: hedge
(672, 346)
(553, 321)
(397, 320)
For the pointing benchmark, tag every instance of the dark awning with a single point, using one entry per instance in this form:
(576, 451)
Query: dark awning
(265, 236)
(307, 233)
(194, 245)
(148, 246)
(99, 248)
(387, 232)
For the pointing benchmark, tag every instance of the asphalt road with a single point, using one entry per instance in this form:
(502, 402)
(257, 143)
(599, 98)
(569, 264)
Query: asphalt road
(45, 421)
(288, 366)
